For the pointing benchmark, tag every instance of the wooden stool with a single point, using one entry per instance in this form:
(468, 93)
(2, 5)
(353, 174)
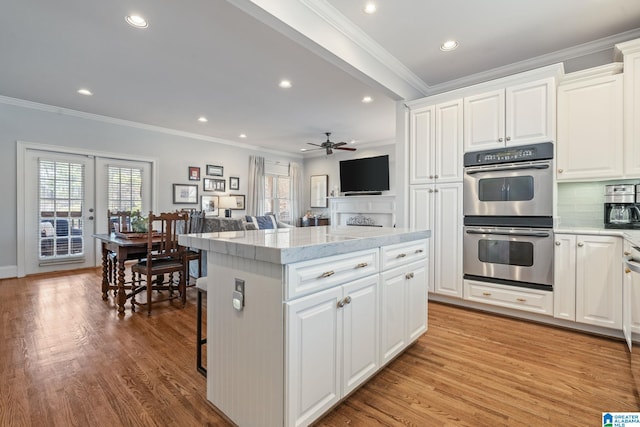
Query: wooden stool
(201, 285)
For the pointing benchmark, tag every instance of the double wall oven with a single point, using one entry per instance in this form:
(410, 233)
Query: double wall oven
(508, 216)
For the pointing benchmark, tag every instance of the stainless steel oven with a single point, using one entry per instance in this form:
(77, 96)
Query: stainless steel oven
(509, 182)
(509, 255)
(508, 208)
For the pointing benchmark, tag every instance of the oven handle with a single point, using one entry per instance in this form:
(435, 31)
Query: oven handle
(631, 264)
(510, 233)
(470, 171)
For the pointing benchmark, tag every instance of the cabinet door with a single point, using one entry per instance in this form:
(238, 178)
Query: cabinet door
(421, 141)
(393, 294)
(590, 144)
(416, 302)
(447, 155)
(447, 240)
(530, 113)
(312, 367)
(361, 347)
(421, 214)
(564, 273)
(631, 113)
(484, 121)
(599, 281)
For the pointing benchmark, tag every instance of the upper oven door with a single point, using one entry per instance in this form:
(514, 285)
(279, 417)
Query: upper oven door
(514, 189)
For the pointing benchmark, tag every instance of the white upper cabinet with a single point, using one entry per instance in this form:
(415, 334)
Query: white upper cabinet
(631, 52)
(436, 143)
(518, 115)
(590, 119)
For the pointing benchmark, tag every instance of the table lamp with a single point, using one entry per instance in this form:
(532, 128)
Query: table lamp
(227, 203)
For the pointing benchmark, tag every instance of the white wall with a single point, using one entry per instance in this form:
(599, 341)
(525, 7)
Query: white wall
(330, 165)
(174, 154)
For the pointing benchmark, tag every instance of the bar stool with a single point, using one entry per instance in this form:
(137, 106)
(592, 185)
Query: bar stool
(201, 285)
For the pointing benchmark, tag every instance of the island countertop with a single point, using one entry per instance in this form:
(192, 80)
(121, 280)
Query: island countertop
(289, 245)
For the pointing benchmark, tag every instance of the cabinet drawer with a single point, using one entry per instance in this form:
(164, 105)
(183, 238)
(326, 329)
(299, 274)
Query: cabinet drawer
(305, 277)
(533, 300)
(402, 253)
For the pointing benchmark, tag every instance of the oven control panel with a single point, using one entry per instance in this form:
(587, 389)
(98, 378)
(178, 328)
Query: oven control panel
(523, 153)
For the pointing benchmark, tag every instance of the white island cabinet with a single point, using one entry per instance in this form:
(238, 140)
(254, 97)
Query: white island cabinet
(314, 316)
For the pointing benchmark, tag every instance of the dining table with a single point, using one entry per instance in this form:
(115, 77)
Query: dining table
(123, 248)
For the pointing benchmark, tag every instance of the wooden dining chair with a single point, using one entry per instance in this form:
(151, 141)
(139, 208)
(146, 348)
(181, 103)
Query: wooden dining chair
(164, 256)
(118, 221)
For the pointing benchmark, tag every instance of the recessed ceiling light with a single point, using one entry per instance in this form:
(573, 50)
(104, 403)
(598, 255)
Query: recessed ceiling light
(86, 92)
(367, 99)
(242, 135)
(203, 119)
(303, 149)
(449, 45)
(285, 84)
(136, 21)
(353, 141)
(370, 8)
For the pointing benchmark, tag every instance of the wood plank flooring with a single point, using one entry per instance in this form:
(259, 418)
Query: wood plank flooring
(67, 359)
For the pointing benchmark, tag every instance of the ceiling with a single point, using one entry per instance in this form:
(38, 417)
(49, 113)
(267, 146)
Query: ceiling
(224, 59)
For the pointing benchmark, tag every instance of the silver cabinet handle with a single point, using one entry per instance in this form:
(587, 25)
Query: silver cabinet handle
(580, 244)
(430, 190)
(560, 170)
(558, 243)
(430, 176)
(508, 138)
(435, 191)
(500, 139)
(341, 303)
(419, 251)
(435, 176)
(347, 300)
(521, 299)
(328, 273)
(408, 276)
(362, 265)
(401, 255)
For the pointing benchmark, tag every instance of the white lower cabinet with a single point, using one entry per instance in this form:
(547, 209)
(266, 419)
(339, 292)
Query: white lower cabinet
(403, 306)
(524, 299)
(332, 347)
(596, 287)
(338, 336)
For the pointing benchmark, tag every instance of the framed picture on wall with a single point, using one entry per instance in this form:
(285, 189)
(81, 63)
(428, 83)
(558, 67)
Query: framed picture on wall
(239, 201)
(209, 205)
(214, 170)
(194, 173)
(234, 183)
(185, 194)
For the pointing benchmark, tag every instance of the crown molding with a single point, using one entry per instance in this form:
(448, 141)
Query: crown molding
(136, 125)
(537, 62)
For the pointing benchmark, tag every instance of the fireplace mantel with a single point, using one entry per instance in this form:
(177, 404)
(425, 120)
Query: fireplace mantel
(363, 210)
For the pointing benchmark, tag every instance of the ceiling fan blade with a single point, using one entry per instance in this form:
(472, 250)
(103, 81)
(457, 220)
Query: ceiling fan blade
(339, 144)
(345, 148)
(317, 145)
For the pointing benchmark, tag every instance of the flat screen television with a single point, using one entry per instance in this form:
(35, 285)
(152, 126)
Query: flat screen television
(366, 175)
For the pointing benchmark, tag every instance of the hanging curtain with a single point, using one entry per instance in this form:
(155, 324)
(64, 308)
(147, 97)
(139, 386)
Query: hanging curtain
(296, 190)
(255, 196)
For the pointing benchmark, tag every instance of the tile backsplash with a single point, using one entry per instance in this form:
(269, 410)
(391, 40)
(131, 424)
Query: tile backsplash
(581, 204)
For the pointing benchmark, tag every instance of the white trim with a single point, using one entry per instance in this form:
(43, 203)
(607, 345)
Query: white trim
(128, 123)
(8, 271)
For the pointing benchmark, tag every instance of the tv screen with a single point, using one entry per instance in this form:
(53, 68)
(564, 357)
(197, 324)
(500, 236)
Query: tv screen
(370, 174)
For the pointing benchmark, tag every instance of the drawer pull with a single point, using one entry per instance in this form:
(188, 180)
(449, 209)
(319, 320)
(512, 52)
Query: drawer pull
(521, 299)
(362, 265)
(328, 273)
(486, 294)
(401, 255)
(409, 276)
(626, 270)
(627, 253)
(419, 251)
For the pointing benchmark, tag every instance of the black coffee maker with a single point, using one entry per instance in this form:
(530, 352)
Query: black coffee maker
(622, 206)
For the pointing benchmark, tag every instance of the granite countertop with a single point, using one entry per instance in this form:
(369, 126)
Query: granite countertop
(289, 245)
(631, 235)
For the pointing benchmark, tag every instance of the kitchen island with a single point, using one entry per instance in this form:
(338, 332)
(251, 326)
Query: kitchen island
(298, 318)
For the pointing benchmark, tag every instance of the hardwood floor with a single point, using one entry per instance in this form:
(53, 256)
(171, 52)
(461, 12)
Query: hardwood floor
(67, 359)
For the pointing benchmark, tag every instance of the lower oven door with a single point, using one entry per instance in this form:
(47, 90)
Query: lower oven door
(521, 255)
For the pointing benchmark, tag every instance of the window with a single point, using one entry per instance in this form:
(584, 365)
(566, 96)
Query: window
(61, 197)
(125, 189)
(277, 190)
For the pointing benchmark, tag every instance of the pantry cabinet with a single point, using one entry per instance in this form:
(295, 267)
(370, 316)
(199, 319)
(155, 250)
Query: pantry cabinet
(439, 209)
(435, 143)
(517, 115)
(597, 287)
(631, 54)
(590, 125)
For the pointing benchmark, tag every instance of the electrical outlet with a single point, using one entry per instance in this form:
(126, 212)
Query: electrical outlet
(238, 295)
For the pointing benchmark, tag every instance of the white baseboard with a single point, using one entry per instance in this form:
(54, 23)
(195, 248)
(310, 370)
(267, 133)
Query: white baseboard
(8, 271)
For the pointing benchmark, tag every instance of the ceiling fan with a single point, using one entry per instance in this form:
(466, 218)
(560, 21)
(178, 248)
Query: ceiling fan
(330, 146)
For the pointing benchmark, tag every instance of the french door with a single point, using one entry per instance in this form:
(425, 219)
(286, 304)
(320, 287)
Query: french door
(59, 211)
(63, 197)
